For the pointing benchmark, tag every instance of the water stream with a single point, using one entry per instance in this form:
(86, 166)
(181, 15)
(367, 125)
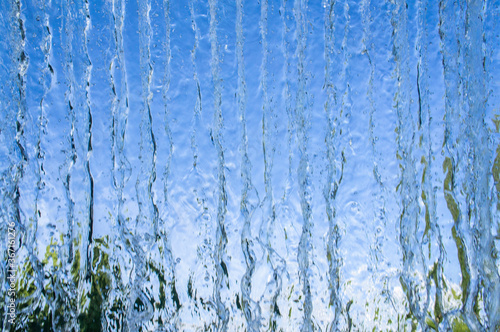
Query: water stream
(272, 165)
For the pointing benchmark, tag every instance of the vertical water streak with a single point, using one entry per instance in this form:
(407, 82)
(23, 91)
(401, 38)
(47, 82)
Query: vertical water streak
(291, 299)
(334, 177)
(409, 218)
(479, 167)
(31, 186)
(21, 60)
(147, 207)
(273, 286)
(287, 96)
(344, 101)
(368, 47)
(166, 87)
(119, 88)
(67, 297)
(452, 33)
(221, 237)
(71, 157)
(340, 68)
(379, 201)
(121, 166)
(88, 135)
(303, 172)
(17, 158)
(78, 74)
(266, 144)
(251, 309)
(491, 45)
(174, 304)
(432, 230)
(142, 309)
(197, 107)
(382, 301)
(46, 81)
(200, 289)
(120, 104)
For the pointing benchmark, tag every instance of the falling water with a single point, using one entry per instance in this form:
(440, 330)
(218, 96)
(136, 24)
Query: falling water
(281, 165)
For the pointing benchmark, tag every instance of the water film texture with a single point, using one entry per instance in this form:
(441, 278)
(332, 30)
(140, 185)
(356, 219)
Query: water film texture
(272, 165)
